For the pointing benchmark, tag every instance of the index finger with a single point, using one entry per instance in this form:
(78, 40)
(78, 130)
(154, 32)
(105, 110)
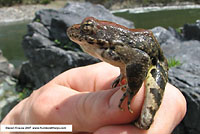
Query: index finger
(89, 78)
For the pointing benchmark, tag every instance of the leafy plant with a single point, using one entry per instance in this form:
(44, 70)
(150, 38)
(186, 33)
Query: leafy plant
(179, 30)
(25, 93)
(37, 20)
(57, 42)
(172, 62)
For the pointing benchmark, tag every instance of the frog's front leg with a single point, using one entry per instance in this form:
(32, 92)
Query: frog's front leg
(136, 73)
(137, 64)
(155, 86)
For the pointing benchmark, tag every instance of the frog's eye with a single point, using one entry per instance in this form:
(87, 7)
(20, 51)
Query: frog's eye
(88, 27)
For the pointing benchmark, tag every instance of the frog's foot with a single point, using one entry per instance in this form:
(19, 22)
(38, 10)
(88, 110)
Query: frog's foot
(130, 96)
(116, 81)
(121, 100)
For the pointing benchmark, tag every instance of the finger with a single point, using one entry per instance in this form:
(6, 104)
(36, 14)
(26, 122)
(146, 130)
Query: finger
(85, 111)
(90, 78)
(171, 112)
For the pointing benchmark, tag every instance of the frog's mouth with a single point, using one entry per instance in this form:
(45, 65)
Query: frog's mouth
(73, 33)
(107, 54)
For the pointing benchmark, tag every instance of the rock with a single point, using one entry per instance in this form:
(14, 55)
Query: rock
(39, 28)
(98, 11)
(47, 47)
(58, 60)
(6, 69)
(185, 51)
(57, 21)
(175, 33)
(7, 86)
(164, 36)
(185, 77)
(192, 31)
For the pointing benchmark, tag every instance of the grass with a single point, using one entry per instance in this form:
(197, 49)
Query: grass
(172, 62)
(25, 93)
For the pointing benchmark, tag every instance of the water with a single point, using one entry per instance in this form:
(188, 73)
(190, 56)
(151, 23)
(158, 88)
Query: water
(11, 36)
(165, 18)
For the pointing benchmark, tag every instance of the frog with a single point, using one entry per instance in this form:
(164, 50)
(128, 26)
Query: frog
(138, 55)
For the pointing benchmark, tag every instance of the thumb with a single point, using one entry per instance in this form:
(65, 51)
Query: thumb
(97, 109)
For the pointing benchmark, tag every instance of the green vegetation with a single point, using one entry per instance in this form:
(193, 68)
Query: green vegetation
(172, 62)
(25, 93)
(57, 42)
(179, 30)
(69, 46)
(14, 2)
(37, 20)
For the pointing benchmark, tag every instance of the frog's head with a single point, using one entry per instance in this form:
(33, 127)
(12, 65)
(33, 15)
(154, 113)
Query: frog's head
(97, 38)
(84, 33)
(90, 35)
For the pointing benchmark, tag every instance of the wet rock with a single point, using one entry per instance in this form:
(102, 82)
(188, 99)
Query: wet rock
(192, 31)
(47, 47)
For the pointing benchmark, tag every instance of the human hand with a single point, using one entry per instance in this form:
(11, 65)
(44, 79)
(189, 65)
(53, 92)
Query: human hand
(83, 97)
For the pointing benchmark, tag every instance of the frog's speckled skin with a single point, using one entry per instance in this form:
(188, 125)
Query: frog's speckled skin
(138, 55)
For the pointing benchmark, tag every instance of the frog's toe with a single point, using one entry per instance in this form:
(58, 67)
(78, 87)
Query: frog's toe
(116, 82)
(130, 96)
(121, 101)
(129, 109)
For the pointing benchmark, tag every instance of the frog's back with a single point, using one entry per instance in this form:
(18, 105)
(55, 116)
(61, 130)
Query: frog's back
(141, 39)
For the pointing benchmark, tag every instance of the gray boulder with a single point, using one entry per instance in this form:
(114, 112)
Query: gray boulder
(192, 31)
(186, 78)
(47, 47)
(57, 21)
(164, 36)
